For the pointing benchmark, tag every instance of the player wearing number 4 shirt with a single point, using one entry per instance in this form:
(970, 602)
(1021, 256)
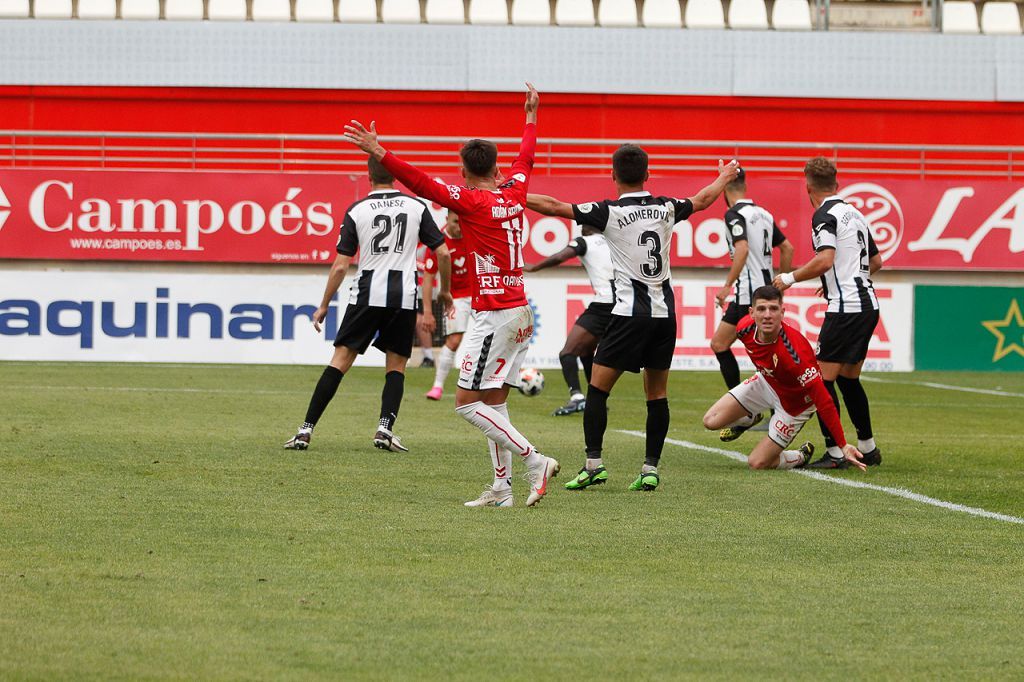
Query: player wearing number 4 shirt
(490, 210)
(384, 228)
(642, 333)
(751, 233)
(845, 259)
(788, 382)
(592, 249)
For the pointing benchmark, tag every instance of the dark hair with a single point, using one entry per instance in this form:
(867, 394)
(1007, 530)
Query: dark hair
(630, 164)
(766, 293)
(479, 157)
(821, 174)
(739, 182)
(379, 175)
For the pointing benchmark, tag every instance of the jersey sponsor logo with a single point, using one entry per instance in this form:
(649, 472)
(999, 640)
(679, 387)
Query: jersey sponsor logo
(808, 376)
(467, 363)
(485, 264)
(454, 191)
(519, 177)
(882, 212)
(524, 334)
(460, 262)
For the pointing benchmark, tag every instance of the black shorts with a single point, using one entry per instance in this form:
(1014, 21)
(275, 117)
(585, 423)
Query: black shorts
(595, 318)
(845, 337)
(390, 329)
(734, 313)
(632, 343)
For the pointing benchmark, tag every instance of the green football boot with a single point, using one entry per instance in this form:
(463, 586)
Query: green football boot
(648, 481)
(586, 478)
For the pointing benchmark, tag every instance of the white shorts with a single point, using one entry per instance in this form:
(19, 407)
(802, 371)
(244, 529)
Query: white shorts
(458, 321)
(756, 395)
(493, 350)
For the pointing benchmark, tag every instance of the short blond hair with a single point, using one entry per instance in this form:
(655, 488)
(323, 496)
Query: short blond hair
(821, 174)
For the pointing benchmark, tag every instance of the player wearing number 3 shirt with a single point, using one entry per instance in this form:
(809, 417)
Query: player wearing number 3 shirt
(490, 209)
(642, 333)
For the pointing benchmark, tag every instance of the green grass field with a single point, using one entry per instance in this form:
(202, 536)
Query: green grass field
(151, 526)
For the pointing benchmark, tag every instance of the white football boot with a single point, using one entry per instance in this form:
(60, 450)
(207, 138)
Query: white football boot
(502, 497)
(538, 476)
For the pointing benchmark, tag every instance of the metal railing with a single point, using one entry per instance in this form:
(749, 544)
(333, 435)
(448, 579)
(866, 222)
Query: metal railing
(555, 156)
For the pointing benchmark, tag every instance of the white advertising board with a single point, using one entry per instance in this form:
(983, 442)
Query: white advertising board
(134, 316)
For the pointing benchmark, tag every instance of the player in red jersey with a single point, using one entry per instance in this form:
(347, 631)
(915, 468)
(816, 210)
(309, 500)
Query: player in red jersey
(490, 209)
(788, 381)
(457, 321)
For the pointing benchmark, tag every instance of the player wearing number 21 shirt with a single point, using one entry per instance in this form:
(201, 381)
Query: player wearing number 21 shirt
(490, 209)
(642, 333)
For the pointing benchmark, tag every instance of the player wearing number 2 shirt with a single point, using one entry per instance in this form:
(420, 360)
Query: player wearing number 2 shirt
(490, 209)
(642, 333)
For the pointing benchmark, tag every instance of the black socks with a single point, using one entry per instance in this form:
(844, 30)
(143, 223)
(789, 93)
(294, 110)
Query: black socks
(856, 401)
(322, 395)
(595, 421)
(570, 372)
(730, 368)
(391, 398)
(657, 429)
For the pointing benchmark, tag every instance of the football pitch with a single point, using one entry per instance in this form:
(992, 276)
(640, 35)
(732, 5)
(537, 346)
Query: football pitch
(151, 526)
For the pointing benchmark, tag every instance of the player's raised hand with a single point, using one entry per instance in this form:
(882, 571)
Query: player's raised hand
(729, 171)
(365, 139)
(532, 99)
(852, 455)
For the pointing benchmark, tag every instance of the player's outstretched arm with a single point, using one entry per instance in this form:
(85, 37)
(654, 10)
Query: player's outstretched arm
(726, 173)
(549, 206)
(334, 279)
(815, 267)
(552, 261)
(532, 103)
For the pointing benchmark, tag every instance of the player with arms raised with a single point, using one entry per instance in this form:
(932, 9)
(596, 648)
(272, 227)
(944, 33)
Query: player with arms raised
(642, 333)
(490, 210)
(787, 381)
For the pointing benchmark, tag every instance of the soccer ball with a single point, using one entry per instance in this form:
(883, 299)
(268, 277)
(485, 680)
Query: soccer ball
(531, 381)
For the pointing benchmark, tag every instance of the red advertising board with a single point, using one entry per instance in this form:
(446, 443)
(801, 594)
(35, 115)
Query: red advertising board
(281, 217)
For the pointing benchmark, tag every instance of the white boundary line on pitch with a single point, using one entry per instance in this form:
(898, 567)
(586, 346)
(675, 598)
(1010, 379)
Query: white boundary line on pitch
(946, 387)
(897, 492)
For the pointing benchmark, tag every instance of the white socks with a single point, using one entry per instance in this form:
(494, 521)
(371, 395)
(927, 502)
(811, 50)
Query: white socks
(594, 464)
(501, 459)
(790, 459)
(499, 429)
(743, 421)
(445, 360)
(866, 446)
(835, 452)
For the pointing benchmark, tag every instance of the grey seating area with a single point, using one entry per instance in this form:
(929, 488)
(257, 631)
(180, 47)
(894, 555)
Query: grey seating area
(998, 17)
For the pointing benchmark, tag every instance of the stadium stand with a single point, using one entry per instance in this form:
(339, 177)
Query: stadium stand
(357, 11)
(617, 13)
(531, 12)
(488, 12)
(140, 9)
(53, 9)
(271, 10)
(1000, 18)
(791, 15)
(662, 14)
(314, 10)
(13, 9)
(226, 10)
(183, 10)
(400, 11)
(748, 14)
(574, 13)
(97, 9)
(704, 14)
(445, 12)
(959, 16)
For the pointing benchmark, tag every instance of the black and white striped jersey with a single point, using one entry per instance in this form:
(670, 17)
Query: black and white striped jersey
(385, 228)
(847, 284)
(746, 221)
(638, 229)
(593, 252)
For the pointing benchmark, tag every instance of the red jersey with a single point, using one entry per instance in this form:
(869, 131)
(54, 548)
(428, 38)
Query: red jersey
(462, 282)
(790, 368)
(491, 221)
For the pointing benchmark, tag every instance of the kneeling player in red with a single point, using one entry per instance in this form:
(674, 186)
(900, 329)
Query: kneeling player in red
(787, 381)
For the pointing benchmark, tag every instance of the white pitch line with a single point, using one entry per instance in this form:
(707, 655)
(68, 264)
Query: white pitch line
(947, 387)
(897, 492)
